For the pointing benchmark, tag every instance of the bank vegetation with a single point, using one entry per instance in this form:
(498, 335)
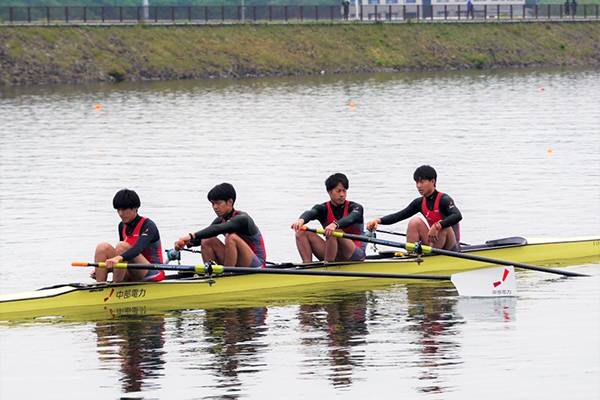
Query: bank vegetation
(71, 54)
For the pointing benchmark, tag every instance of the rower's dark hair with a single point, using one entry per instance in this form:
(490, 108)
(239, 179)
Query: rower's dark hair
(425, 172)
(336, 179)
(223, 191)
(126, 198)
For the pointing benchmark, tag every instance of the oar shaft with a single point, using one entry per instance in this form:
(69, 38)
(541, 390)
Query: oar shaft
(200, 269)
(219, 269)
(429, 249)
(349, 274)
(370, 239)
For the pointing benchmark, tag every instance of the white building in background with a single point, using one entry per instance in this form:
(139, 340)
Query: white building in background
(409, 9)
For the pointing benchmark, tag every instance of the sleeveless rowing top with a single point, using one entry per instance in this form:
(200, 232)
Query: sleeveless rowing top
(153, 257)
(433, 216)
(354, 229)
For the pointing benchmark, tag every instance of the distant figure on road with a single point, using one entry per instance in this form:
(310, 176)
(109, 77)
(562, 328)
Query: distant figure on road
(573, 8)
(346, 5)
(470, 9)
(567, 6)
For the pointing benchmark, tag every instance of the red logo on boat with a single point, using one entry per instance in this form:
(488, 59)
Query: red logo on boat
(111, 293)
(504, 276)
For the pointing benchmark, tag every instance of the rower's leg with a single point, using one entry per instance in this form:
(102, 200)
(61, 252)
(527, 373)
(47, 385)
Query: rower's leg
(213, 250)
(237, 252)
(345, 249)
(417, 231)
(446, 239)
(104, 251)
(309, 243)
(120, 274)
(332, 246)
(137, 275)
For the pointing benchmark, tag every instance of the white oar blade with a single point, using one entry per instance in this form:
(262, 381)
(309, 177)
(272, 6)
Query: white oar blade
(489, 282)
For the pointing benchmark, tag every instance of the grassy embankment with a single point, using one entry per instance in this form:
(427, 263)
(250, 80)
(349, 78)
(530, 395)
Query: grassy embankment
(37, 55)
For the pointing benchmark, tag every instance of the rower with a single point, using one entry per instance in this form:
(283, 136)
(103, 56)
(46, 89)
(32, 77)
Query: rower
(139, 242)
(337, 214)
(439, 226)
(244, 245)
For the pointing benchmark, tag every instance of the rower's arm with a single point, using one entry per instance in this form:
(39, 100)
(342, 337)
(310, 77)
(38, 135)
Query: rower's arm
(413, 208)
(448, 208)
(314, 213)
(354, 216)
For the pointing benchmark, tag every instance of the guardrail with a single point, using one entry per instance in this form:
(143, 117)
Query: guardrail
(238, 14)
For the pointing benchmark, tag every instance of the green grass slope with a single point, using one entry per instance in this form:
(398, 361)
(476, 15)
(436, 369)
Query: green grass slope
(40, 55)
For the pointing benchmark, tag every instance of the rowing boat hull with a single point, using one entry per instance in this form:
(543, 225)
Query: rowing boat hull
(177, 293)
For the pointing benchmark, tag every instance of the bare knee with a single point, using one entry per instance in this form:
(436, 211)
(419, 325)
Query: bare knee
(416, 223)
(212, 242)
(104, 247)
(122, 247)
(104, 251)
(417, 231)
(300, 234)
(231, 239)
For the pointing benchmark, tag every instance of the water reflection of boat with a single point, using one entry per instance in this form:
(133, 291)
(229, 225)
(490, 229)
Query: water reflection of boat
(344, 331)
(136, 346)
(432, 318)
(411, 328)
(225, 342)
(497, 309)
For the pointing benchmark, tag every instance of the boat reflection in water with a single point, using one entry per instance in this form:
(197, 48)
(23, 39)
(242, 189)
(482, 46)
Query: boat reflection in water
(411, 330)
(343, 331)
(438, 320)
(233, 339)
(222, 344)
(433, 320)
(136, 344)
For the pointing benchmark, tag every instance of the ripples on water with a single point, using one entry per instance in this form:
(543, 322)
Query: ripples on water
(489, 135)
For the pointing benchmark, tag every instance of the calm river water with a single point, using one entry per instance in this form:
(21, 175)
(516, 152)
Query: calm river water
(518, 150)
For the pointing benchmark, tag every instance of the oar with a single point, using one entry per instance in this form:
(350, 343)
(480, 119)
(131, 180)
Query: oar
(404, 234)
(478, 283)
(433, 250)
(220, 269)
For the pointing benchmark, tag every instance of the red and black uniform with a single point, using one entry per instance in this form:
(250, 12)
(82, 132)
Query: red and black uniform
(438, 207)
(240, 223)
(349, 217)
(142, 234)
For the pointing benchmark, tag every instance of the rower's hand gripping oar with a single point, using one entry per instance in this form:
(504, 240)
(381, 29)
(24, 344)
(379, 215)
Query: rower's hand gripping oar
(495, 282)
(175, 255)
(433, 250)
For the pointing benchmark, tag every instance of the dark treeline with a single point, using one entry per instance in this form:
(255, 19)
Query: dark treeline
(135, 3)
